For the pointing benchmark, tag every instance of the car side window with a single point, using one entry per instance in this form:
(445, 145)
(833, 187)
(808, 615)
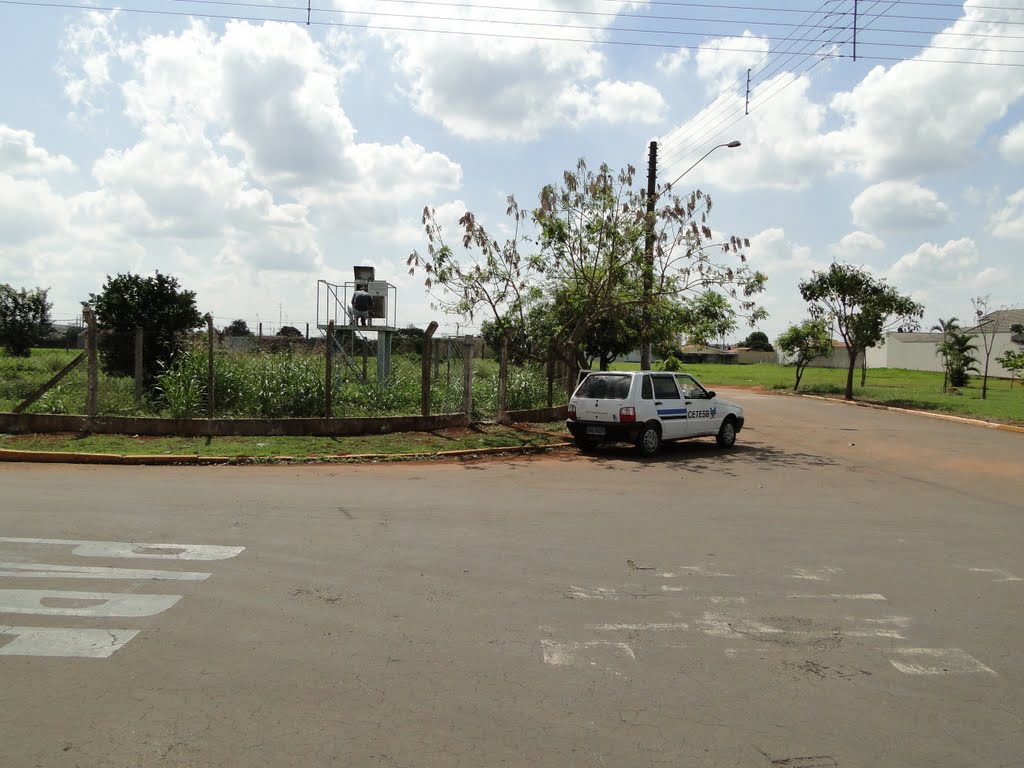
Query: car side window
(665, 388)
(691, 389)
(647, 391)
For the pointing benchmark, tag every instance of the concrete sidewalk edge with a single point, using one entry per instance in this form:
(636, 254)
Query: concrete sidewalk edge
(59, 457)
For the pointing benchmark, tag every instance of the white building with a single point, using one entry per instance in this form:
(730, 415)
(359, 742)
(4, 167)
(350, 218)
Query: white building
(919, 351)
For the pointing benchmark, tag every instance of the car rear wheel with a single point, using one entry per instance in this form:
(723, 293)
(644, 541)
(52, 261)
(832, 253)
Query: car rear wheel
(727, 434)
(648, 441)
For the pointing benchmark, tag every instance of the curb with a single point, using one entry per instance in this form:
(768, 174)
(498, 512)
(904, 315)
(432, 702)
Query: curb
(57, 457)
(929, 414)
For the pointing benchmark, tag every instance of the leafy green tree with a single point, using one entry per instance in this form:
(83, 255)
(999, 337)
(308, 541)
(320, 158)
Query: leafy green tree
(238, 328)
(290, 331)
(758, 341)
(707, 317)
(24, 319)
(861, 306)
(592, 232)
(802, 343)
(157, 305)
(1013, 362)
(990, 324)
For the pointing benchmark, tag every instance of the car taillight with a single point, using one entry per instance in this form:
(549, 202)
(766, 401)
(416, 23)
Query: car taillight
(627, 415)
(572, 412)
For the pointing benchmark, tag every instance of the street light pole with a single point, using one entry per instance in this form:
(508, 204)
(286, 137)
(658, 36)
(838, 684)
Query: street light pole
(652, 173)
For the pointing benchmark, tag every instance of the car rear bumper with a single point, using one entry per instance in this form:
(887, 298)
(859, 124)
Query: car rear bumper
(626, 433)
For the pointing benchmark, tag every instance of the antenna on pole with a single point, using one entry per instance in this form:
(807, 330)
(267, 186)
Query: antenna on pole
(746, 109)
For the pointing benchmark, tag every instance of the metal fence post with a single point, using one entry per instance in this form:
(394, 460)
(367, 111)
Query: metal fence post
(209, 367)
(467, 379)
(329, 381)
(428, 345)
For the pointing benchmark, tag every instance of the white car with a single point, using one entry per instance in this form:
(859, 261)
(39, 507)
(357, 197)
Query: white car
(647, 408)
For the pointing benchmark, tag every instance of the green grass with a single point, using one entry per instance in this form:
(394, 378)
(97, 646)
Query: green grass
(21, 376)
(890, 386)
(299, 447)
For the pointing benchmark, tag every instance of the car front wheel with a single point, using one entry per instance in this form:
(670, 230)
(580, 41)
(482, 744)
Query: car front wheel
(648, 441)
(727, 434)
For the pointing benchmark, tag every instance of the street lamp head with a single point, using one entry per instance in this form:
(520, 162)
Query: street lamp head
(733, 144)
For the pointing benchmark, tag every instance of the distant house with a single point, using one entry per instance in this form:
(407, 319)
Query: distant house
(919, 351)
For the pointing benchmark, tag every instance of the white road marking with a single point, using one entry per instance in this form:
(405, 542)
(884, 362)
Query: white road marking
(1006, 575)
(734, 653)
(701, 570)
(43, 602)
(136, 549)
(719, 625)
(718, 600)
(47, 571)
(667, 588)
(894, 621)
(79, 643)
(593, 593)
(890, 633)
(866, 596)
(939, 661)
(562, 654)
(644, 626)
(822, 574)
(669, 575)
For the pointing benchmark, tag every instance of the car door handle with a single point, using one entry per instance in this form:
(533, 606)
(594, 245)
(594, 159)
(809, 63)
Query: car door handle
(689, 402)
(658, 402)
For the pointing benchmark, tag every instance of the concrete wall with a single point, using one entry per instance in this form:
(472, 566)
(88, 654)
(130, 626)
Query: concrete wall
(23, 423)
(921, 355)
(838, 359)
(557, 413)
(749, 356)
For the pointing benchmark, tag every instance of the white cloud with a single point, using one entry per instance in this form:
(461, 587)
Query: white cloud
(28, 210)
(89, 48)
(20, 155)
(896, 205)
(720, 69)
(672, 63)
(479, 85)
(770, 251)
(1009, 221)
(1012, 144)
(781, 147)
(895, 124)
(933, 264)
(857, 247)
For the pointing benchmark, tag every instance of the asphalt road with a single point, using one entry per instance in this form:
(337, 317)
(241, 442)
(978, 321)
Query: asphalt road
(844, 588)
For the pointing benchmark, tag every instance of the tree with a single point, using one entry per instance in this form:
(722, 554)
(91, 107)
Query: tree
(157, 305)
(707, 318)
(945, 327)
(291, 331)
(957, 350)
(238, 328)
(758, 341)
(803, 343)
(24, 318)
(1013, 362)
(989, 325)
(861, 306)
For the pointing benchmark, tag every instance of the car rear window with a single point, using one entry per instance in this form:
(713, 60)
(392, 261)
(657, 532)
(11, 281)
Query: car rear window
(605, 386)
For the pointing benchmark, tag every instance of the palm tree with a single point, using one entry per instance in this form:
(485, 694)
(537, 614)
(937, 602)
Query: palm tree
(946, 327)
(957, 350)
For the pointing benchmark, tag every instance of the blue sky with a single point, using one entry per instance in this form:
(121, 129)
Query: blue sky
(252, 158)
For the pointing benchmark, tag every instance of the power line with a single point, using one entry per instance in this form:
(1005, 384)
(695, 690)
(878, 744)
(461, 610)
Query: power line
(461, 33)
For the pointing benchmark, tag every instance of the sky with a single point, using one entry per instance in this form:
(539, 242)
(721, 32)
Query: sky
(251, 154)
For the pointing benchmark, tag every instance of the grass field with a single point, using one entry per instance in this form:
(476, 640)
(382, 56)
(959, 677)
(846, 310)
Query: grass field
(891, 386)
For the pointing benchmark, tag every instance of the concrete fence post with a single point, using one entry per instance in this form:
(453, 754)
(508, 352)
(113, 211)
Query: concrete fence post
(138, 364)
(503, 381)
(92, 372)
(467, 379)
(209, 367)
(428, 346)
(329, 380)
